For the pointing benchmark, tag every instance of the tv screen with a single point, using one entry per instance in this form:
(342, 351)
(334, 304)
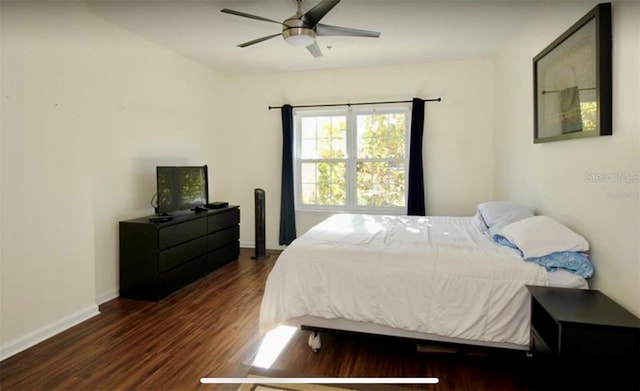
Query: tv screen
(181, 187)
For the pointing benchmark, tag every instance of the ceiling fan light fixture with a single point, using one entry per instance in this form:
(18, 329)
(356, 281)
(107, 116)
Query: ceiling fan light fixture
(299, 36)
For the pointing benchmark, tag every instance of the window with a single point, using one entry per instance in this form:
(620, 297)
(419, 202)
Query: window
(352, 159)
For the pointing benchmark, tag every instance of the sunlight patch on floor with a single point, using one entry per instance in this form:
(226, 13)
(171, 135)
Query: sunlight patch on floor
(272, 345)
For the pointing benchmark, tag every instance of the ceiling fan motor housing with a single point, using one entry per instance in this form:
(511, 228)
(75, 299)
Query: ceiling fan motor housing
(297, 33)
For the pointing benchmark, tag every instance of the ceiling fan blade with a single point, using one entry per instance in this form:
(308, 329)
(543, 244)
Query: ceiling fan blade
(313, 16)
(244, 45)
(245, 15)
(325, 29)
(314, 49)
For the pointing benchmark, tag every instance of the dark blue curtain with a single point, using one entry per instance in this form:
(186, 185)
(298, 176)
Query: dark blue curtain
(287, 206)
(415, 202)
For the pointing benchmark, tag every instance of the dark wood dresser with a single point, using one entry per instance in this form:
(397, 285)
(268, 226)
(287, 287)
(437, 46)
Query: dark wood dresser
(157, 259)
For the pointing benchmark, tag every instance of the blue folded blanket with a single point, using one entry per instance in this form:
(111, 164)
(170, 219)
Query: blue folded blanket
(575, 262)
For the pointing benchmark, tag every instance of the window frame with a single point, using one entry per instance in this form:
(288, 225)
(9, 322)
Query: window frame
(351, 160)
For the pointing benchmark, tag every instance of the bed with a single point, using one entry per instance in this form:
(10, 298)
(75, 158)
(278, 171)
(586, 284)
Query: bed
(435, 278)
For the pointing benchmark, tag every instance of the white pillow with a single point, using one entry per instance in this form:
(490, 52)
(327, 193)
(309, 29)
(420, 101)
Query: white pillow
(498, 214)
(479, 223)
(538, 236)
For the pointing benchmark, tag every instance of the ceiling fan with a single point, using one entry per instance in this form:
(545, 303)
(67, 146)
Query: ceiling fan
(301, 29)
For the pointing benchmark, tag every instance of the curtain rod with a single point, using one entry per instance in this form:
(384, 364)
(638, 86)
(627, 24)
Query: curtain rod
(358, 104)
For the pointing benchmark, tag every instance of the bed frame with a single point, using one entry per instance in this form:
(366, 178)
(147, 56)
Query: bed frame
(316, 325)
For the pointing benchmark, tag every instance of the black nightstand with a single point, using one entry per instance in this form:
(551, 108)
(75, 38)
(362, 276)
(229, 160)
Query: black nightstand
(586, 337)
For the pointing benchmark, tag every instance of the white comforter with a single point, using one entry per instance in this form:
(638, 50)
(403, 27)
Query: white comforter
(438, 275)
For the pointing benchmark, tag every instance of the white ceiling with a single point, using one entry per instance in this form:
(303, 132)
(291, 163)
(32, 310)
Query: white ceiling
(413, 31)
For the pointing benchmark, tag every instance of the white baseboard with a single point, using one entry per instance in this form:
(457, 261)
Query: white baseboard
(269, 246)
(108, 296)
(35, 337)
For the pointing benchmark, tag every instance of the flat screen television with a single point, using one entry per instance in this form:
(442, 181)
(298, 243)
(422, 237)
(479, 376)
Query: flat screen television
(181, 188)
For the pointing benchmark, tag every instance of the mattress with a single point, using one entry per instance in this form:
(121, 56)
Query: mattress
(438, 275)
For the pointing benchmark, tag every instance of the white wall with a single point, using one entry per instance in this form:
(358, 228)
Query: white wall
(88, 110)
(556, 178)
(458, 131)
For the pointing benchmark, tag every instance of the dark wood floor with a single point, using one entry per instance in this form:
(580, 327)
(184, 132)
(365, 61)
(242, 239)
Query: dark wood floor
(210, 329)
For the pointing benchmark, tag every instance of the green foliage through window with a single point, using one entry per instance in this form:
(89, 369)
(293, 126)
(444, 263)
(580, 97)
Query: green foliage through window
(589, 111)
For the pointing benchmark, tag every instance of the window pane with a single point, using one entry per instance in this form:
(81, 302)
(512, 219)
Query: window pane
(308, 128)
(323, 137)
(308, 173)
(324, 183)
(381, 136)
(309, 195)
(380, 183)
(367, 146)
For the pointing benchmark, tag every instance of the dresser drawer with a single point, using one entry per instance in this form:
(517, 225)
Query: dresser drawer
(223, 237)
(182, 253)
(183, 232)
(181, 276)
(222, 256)
(223, 220)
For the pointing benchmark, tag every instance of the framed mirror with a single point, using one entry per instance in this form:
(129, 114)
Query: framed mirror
(572, 81)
